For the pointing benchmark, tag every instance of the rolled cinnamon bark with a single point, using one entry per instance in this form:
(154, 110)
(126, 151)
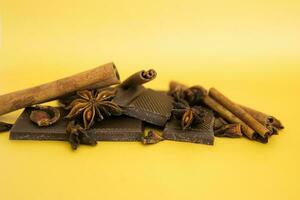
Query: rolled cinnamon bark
(229, 116)
(138, 78)
(239, 112)
(272, 123)
(101, 76)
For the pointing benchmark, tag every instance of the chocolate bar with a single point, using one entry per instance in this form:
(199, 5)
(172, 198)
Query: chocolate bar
(121, 128)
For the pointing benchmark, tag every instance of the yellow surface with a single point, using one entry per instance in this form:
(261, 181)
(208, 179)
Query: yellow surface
(249, 50)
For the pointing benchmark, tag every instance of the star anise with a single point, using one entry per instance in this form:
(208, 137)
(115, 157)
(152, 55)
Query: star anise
(151, 137)
(78, 135)
(91, 105)
(188, 115)
(229, 130)
(192, 95)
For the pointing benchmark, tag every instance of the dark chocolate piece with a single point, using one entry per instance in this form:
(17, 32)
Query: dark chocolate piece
(121, 128)
(124, 97)
(201, 133)
(148, 105)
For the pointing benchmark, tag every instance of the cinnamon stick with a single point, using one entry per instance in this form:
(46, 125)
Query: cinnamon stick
(101, 76)
(239, 112)
(229, 116)
(270, 122)
(138, 78)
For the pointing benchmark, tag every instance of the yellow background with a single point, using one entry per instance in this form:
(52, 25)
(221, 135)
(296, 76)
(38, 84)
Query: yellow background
(249, 50)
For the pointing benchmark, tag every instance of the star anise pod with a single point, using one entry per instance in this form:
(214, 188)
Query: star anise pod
(178, 94)
(78, 135)
(229, 130)
(151, 137)
(91, 105)
(192, 95)
(195, 94)
(188, 115)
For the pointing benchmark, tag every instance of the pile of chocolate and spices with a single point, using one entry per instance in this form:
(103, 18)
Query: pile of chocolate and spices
(96, 106)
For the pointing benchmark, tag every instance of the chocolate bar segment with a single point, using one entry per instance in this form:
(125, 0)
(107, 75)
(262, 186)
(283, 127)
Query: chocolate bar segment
(148, 105)
(202, 133)
(25, 129)
(121, 128)
(151, 106)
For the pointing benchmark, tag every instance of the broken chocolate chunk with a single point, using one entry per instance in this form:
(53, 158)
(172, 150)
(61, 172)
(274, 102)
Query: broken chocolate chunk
(201, 133)
(148, 105)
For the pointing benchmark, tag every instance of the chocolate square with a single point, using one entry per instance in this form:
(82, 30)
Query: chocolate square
(148, 105)
(202, 133)
(121, 128)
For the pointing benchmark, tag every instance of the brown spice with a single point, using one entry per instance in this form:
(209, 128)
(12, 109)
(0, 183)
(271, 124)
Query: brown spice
(188, 115)
(151, 137)
(239, 112)
(138, 78)
(92, 105)
(78, 135)
(229, 116)
(102, 76)
(270, 122)
(229, 130)
(44, 115)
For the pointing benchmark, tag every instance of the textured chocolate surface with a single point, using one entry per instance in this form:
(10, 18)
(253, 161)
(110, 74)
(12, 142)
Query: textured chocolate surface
(121, 128)
(147, 105)
(202, 133)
